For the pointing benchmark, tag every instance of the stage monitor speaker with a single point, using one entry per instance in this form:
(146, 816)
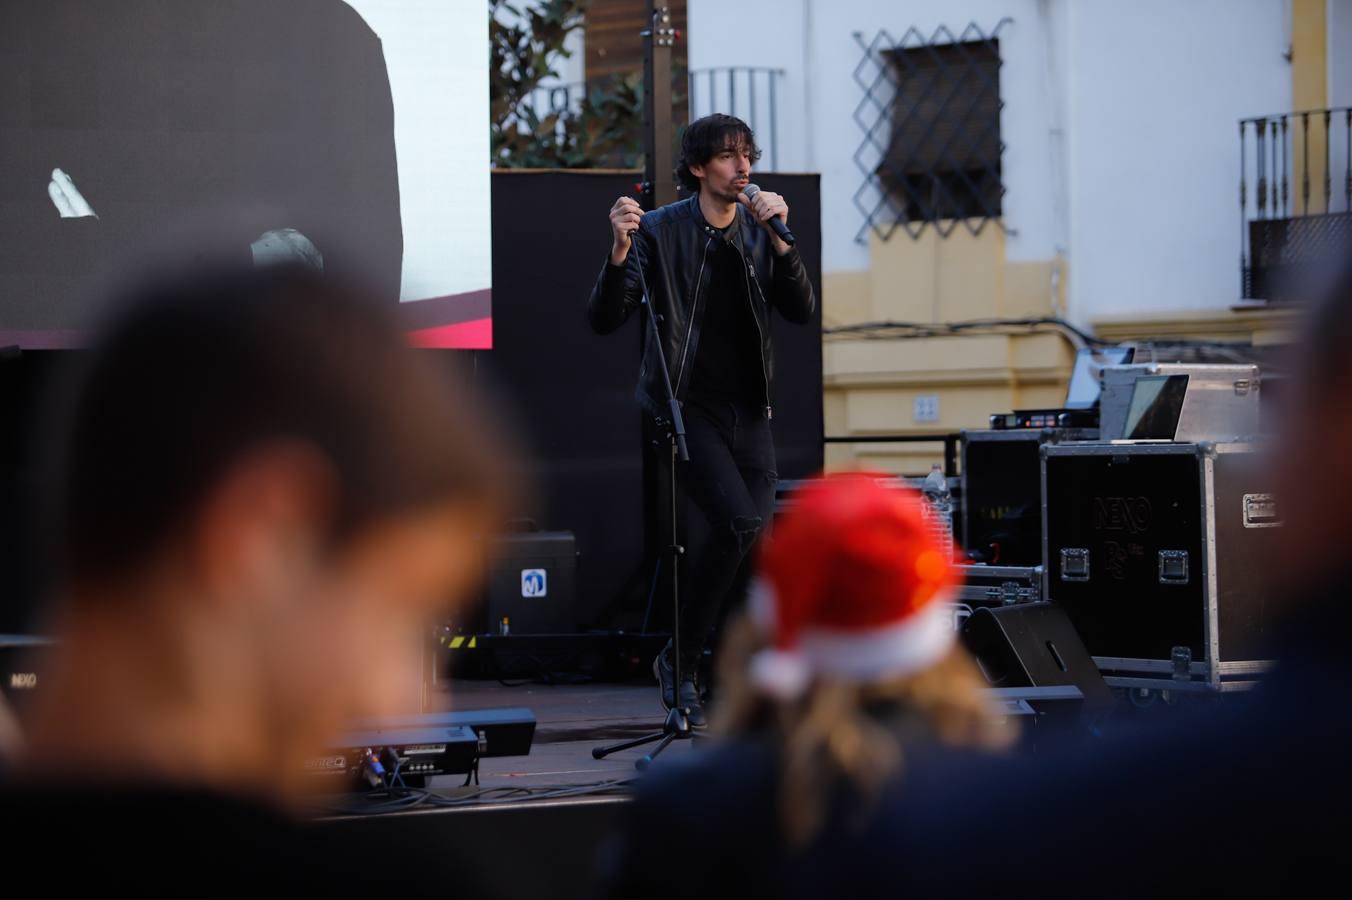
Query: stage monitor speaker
(533, 584)
(1033, 645)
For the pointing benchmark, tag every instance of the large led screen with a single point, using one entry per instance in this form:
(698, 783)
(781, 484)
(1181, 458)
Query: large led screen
(350, 136)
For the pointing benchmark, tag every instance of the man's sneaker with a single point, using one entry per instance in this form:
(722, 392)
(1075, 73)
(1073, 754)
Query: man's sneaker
(666, 677)
(690, 700)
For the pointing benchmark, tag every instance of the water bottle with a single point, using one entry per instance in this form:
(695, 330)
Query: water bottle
(940, 507)
(936, 488)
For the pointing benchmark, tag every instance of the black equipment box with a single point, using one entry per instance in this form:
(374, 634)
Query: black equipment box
(532, 584)
(501, 731)
(414, 752)
(1039, 419)
(987, 587)
(1000, 585)
(1002, 493)
(23, 666)
(1157, 551)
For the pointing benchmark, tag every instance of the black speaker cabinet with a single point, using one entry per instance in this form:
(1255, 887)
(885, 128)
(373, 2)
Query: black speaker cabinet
(533, 584)
(1032, 645)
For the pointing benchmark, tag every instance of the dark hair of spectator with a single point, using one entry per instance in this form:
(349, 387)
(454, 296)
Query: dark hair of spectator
(195, 373)
(704, 138)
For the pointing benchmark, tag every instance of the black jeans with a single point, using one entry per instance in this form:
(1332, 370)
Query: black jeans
(731, 479)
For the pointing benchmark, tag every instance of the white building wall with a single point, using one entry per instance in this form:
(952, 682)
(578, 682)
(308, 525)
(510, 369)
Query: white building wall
(1120, 122)
(762, 34)
(814, 42)
(1157, 89)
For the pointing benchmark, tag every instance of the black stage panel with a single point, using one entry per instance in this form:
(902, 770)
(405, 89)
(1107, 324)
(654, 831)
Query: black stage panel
(798, 348)
(539, 850)
(572, 391)
(23, 570)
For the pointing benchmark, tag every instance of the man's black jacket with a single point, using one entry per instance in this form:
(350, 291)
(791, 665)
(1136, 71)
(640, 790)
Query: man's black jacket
(674, 244)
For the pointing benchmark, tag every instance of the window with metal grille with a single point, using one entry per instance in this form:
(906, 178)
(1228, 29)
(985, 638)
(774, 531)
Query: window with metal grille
(944, 158)
(937, 100)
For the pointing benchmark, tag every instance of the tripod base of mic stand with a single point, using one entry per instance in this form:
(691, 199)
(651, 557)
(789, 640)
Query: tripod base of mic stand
(675, 728)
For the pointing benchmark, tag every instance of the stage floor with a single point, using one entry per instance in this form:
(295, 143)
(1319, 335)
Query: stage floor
(570, 721)
(558, 826)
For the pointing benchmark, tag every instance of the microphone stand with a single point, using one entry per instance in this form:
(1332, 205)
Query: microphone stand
(677, 724)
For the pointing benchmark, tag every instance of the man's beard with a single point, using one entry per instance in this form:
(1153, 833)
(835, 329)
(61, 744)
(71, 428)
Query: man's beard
(728, 194)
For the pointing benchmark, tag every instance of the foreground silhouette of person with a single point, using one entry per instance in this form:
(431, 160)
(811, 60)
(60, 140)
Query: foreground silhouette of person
(841, 687)
(1246, 795)
(264, 493)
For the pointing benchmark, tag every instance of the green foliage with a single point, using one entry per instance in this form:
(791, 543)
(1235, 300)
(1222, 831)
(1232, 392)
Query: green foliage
(606, 128)
(522, 55)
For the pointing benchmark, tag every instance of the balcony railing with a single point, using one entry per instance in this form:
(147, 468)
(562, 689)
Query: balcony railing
(561, 100)
(1295, 198)
(748, 92)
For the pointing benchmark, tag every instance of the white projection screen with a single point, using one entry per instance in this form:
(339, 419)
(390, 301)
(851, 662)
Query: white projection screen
(351, 135)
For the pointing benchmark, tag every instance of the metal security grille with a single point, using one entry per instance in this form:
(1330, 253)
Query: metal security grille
(931, 121)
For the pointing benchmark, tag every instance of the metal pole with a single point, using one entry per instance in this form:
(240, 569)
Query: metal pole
(774, 127)
(1261, 145)
(1305, 163)
(1285, 164)
(1275, 213)
(751, 79)
(658, 165)
(1328, 179)
(1243, 228)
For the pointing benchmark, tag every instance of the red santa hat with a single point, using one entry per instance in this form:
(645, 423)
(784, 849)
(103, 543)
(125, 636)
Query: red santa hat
(853, 584)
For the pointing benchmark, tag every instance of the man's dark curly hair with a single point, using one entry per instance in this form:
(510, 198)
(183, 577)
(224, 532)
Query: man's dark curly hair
(708, 136)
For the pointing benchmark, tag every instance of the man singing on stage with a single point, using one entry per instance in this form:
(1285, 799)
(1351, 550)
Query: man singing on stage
(714, 267)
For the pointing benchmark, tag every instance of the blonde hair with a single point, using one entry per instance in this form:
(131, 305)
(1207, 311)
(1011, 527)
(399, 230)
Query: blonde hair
(827, 734)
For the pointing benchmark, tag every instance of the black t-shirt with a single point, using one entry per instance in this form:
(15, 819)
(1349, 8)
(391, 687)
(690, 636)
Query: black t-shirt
(728, 363)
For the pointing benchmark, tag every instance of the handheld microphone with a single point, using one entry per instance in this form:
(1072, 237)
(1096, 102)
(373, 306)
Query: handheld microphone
(776, 222)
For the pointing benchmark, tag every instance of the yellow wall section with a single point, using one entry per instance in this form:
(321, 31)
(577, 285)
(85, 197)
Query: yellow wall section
(1260, 324)
(1309, 90)
(870, 385)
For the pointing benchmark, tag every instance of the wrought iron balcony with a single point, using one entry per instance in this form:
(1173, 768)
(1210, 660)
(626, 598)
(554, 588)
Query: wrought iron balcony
(1295, 198)
(748, 92)
(751, 93)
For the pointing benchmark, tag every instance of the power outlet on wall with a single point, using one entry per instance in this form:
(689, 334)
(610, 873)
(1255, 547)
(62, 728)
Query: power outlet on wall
(925, 408)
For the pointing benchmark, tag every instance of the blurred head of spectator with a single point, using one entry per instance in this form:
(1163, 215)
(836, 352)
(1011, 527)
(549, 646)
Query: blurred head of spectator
(1316, 442)
(848, 652)
(264, 493)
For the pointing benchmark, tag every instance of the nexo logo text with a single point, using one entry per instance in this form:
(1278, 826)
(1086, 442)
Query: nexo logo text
(1129, 514)
(23, 681)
